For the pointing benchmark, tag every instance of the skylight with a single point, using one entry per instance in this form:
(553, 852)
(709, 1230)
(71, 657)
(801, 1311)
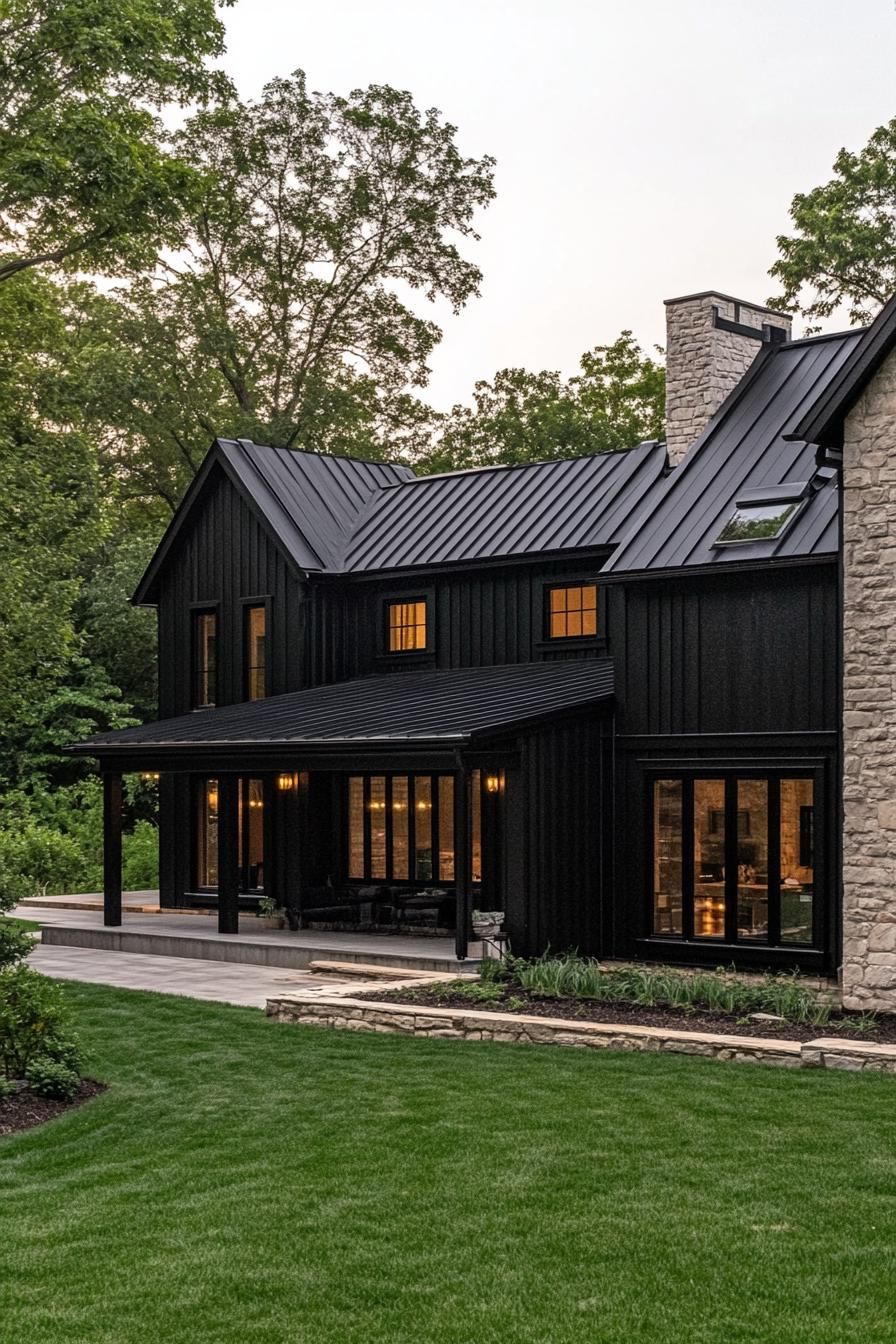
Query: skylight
(757, 522)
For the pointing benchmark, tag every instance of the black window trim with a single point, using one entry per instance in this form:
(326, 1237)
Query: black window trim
(728, 772)
(543, 588)
(198, 609)
(261, 600)
(389, 775)
(386, 600)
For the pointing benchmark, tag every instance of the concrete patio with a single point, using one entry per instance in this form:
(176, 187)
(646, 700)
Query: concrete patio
(77, 922)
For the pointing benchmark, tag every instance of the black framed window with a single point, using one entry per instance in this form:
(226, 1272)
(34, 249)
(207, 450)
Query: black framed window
(406, 626)
(205, 659)
(251, 805)
(401, 828)
(734, 858)
(571, 611)
(255, 646)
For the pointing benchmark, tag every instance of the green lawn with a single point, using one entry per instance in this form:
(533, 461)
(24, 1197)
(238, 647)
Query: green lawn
(254, 1183)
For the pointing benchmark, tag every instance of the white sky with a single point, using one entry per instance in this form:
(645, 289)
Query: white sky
(646, 148)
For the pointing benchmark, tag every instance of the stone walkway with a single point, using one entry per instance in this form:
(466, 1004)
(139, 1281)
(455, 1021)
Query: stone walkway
(220, 982)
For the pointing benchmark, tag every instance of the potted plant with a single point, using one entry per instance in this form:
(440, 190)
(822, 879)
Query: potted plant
(270, 914)
(486, 923)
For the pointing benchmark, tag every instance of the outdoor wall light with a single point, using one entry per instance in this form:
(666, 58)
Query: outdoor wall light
(492, 783)
(285, 783)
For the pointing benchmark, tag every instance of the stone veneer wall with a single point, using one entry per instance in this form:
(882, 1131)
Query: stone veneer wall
(704, 364)
(869, 696)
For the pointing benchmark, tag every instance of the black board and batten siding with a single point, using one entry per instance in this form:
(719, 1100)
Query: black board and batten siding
(224, 558)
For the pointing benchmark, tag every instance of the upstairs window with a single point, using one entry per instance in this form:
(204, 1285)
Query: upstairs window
(406, 626)
(572, 611)
(205, 659)
(256, 656)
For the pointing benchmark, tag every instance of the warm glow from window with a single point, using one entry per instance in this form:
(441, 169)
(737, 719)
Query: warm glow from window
(205, 653)
(407, 626)
(401, 828)
(573, 611)
(256, 667)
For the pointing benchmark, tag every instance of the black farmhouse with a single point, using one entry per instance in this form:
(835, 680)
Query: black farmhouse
(602, 695)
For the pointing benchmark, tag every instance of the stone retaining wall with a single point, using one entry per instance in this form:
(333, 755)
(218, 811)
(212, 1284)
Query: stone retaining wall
(456, 1024)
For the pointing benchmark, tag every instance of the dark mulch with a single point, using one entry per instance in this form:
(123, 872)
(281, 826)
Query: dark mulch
(632, 1014)
(24, 1110)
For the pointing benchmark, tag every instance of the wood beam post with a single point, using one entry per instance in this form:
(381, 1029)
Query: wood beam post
(112, 794)
(462, 854)
(228, 854)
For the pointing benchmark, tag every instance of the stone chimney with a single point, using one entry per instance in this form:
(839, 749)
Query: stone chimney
(711, 341)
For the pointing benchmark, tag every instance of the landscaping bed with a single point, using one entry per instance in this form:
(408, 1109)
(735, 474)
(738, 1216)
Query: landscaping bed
(773, 1007)
(25, 1109)
(882, 1032)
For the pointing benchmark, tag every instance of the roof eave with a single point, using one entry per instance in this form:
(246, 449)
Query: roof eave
(823, 422)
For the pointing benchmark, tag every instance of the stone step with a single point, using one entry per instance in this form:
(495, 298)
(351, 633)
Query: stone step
(244, 949)
(368, 971)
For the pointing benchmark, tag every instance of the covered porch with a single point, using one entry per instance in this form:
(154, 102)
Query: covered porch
(372, 798)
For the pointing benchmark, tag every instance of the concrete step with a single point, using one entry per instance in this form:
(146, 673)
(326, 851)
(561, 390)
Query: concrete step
(244, 949)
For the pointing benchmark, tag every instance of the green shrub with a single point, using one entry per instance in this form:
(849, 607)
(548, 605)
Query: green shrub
(33, 1021)
(35, 858)
(140, 857)
(15, 942)
(49, 1079)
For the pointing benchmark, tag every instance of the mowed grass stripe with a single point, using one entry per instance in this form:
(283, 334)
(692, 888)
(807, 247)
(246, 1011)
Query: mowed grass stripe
(247, 1181)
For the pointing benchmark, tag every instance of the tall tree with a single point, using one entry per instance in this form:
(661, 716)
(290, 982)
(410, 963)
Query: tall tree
(286, 315)
(87, 173)
(50, 493)
(614, 402)
(843, 250)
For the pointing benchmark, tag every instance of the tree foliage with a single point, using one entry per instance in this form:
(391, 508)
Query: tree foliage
(613, 403)
(286, 316)
(87, 172)
(843, 250)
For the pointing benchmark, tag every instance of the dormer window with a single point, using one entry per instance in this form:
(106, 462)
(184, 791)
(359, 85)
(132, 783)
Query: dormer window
(572, 611)
(763, 514)
(406, 626)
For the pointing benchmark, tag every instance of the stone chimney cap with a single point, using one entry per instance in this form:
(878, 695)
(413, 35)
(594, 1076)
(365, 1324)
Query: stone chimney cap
(728, 298)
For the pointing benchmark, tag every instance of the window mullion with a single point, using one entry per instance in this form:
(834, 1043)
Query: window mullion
(774, 861)
(687, 858)
(731, 869)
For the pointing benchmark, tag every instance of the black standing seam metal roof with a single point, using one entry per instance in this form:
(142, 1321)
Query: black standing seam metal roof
(308, 501)
(822, 421)
(570, 504)
(744, 446)
(451, 706)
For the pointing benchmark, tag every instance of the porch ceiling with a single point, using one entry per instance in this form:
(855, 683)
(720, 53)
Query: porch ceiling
(444, 709)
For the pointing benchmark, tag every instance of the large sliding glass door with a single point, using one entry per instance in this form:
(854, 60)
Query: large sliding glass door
(734, 858)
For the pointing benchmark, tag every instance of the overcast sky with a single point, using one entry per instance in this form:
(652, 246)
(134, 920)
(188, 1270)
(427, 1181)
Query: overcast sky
(646, 148)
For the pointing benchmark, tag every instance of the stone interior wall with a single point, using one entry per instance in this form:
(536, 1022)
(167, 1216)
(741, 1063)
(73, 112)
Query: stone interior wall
(704, 364)
(869, 703)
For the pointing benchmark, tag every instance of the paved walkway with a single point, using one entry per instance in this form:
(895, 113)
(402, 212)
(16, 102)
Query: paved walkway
(221, 982)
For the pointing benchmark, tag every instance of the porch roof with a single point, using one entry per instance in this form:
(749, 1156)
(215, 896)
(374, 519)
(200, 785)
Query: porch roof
(442, 708)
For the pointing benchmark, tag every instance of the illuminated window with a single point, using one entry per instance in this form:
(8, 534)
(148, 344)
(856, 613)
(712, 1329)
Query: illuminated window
(572, 612)
(734, 859)
(407, 626)
(250, 856)
(205, 659)
(256, 664)
(401, 828)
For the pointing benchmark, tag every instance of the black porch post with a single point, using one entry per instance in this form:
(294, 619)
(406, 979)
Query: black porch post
(228, 854)
(462, 822)
(111, 849)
